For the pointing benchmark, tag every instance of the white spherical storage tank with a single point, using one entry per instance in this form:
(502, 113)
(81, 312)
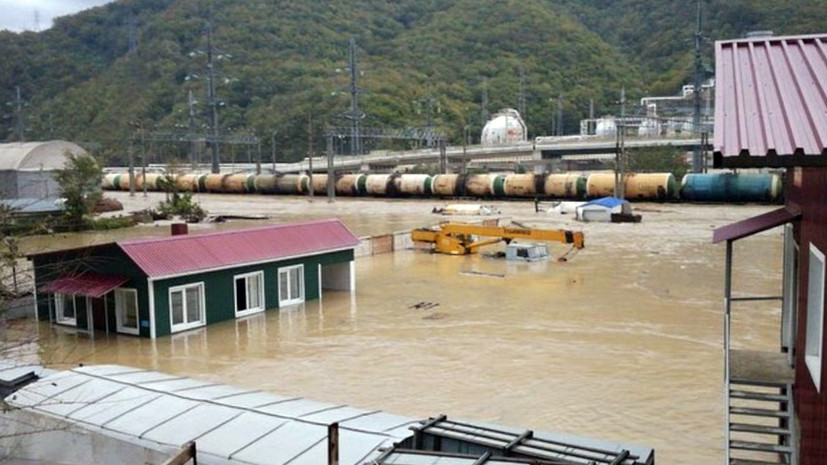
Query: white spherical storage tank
(506, 127)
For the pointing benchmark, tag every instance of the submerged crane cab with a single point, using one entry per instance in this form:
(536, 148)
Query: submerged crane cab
(463, 239)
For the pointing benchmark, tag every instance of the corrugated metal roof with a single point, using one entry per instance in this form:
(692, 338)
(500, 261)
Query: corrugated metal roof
(153, 408)
(756, 224)
(177, 255)
(87, 284)
(771, 102)
(33, 156)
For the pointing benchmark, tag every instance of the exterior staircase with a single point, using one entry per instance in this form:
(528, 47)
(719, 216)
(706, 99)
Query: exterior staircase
(760, 423)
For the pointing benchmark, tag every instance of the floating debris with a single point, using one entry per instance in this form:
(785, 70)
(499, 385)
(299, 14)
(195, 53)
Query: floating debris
(482, 273)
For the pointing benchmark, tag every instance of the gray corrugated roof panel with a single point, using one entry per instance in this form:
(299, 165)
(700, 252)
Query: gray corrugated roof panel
(336, 415)
(107, 370)
(285, 443)
(46, 388)
(191, 424)
(175, 385)
(238, 433)
(253, 399)
(381, 421)
(140, 377)
(298, 407)
(149, 415)
(114, 406)
(354, 447)
(81, 396)
(217, 392)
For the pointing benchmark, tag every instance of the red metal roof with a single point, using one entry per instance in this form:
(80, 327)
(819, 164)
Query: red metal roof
(176, 255)
(756, 224)
(771, 102)
(87, 284)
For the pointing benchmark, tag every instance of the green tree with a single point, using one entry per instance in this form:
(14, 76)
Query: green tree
(79, 183)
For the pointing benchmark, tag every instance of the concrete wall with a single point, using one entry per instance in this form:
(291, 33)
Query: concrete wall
(27, 435)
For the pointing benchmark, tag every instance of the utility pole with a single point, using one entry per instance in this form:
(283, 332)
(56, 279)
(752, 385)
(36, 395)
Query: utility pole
(484, 103)
(213, 102)
(132, 27)
(620, 156)
(273, 148)
(355, 115)
(21, 128)
(696, 120)
(331, 181)
(560, 114)
(310, 151)
(522, 94)
(194, 158)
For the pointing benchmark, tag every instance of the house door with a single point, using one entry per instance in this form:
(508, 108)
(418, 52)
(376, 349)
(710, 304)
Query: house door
(98, 312)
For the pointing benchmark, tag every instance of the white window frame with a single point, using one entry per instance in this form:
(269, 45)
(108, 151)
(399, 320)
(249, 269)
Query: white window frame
(174, 328)
(59, 300)
(246, 276)
(124, 293)
(814, 341)
(286, 271)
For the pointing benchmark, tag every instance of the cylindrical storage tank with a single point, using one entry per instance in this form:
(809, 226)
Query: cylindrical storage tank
(266, 183)
(288, 184)
(650, 186)
(413, 184)
(565, 186)
(186, 182)
(497, 185)
(479, 185)
(600, 185)
(150, 180)
(380, 185)
(123, 182)
(108, 181)
(319, 183)
(731, 187)
(520, 185)
(351, 185)
(202, 182)
(235, 183)
(446, 185)
(303, 184)
(212, 182)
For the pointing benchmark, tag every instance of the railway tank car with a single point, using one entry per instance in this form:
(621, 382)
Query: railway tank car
(732, 187)
(712, 187)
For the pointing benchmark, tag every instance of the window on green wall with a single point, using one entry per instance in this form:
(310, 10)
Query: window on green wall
(291, 285)
(186, 306)
(249, 293)
(65, 309)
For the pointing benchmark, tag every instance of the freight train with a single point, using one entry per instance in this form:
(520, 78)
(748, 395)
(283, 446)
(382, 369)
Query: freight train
(713, 187)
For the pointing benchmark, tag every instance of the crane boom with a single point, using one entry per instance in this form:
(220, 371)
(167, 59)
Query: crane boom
(461, 239)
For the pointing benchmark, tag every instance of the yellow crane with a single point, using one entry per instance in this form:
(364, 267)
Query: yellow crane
(461, 239)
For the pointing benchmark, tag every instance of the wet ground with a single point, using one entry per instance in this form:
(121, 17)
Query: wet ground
(623, 342)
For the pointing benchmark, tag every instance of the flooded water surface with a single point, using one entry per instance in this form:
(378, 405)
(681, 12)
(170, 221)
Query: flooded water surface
(622, 343)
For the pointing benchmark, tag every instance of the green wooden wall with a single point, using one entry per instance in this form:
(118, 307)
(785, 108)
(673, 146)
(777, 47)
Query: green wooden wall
(219, 287)
(106, 259)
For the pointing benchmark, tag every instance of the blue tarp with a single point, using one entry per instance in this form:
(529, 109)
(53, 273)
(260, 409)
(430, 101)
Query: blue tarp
(608, 202)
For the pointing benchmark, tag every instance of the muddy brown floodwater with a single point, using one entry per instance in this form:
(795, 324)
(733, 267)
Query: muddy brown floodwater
(622, 343)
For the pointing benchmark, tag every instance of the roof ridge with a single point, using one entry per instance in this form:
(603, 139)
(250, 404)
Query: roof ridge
(150, 240)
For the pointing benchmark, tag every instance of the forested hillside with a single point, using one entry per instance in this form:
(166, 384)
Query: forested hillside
(284, 61)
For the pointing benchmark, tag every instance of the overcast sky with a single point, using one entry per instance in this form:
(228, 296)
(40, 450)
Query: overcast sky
(19, 15)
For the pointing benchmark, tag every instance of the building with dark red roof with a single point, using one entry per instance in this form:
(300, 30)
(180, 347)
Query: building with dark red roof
(159, 286)
(771, 112)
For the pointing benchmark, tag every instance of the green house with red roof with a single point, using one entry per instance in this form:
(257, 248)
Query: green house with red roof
(160, 286)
